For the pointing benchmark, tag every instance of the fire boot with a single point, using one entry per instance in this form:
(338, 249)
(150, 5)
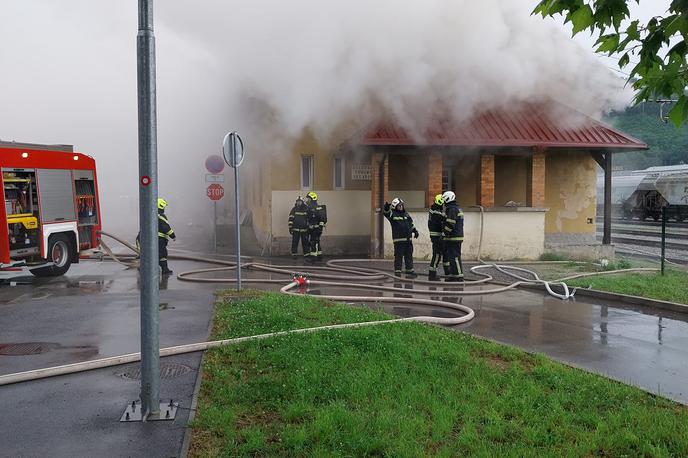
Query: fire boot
(432, 275)
(165, 269)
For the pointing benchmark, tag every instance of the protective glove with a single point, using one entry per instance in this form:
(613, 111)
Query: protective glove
(291, 231)
(415, 233)
(174, 236)
(387, 206)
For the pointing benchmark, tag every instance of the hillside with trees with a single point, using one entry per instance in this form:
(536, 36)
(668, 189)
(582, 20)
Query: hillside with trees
(668, 144)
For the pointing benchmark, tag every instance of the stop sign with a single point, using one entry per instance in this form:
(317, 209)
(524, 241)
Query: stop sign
(215, 191)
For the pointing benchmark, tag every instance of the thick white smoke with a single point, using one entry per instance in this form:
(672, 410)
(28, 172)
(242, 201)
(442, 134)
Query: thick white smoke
(69, 75)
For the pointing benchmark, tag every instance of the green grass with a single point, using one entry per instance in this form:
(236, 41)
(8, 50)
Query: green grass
(408, 389)
(671, 287)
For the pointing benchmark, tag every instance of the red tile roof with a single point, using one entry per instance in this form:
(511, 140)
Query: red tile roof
(530, 125)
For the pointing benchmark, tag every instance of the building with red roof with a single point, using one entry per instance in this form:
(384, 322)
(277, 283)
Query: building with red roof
(525, 176)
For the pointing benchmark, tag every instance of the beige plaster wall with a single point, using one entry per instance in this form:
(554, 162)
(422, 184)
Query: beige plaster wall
(507, 235)
(570, 193)
(285, 168)
(348, 212)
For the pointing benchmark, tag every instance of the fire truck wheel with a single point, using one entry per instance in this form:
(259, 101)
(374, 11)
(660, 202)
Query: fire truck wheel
(59, 250)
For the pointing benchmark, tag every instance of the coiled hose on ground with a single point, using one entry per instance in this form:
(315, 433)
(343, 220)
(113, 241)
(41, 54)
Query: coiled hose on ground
(334, 274)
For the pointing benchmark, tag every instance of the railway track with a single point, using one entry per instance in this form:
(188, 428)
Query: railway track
(647, 222)
(643, 239)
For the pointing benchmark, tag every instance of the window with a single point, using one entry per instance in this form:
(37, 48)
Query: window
(339, 173)
(306, 172)
(447, 179)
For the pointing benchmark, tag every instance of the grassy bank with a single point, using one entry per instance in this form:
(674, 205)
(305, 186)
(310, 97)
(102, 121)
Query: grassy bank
(408, 390)
(670, 287)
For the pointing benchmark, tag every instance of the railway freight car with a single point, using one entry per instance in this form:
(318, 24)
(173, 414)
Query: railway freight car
(642, 193)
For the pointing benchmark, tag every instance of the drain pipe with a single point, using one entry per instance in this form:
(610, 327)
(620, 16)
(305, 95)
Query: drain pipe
(381, 202)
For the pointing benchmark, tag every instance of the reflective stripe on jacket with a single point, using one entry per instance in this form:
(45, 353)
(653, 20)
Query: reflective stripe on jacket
(298, 218)
(164, 229)
(402, 225)
(436, 219)
(453, 224)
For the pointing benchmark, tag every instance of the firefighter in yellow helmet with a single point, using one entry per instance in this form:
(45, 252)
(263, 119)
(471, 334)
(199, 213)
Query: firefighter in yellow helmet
(317, 219)
(165, 234)
(436, 220)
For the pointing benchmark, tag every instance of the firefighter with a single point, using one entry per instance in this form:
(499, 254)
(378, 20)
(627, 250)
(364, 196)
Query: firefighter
(436, 219)
(453, 237)
(317, 219)
(298, 228)
(165, 234)
(402, 229)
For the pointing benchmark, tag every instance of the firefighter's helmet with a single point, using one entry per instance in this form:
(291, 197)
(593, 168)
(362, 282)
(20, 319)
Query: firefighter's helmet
(162, 203)
(448, 197)
(299, 201)
(439, 200)
(312, 196)
(396, 202)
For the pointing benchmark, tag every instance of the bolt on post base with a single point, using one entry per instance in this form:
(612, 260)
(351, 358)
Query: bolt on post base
(133, 412)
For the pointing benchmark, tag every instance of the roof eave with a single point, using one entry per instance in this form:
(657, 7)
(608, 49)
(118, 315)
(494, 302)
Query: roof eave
(609, 146)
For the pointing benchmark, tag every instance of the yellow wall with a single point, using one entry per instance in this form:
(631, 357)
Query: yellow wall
(286, 167)
(570, 180)
(511, 179)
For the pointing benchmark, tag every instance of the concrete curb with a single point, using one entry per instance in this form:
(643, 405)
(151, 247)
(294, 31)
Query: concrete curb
(186, 443)
(618, 297)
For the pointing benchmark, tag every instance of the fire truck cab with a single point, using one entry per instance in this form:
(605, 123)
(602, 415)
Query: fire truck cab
(51, 210)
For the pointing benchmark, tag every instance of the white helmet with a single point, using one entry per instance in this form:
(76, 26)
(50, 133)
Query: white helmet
(448, 196)
(395, 202)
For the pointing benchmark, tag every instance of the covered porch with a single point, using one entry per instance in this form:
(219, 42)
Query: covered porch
(534, 179)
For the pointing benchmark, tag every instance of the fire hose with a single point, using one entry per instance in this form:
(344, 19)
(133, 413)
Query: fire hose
(331, 275)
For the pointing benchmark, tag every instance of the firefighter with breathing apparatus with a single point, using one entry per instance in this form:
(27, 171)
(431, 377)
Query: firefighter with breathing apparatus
(453, 237)
(402, 230)
(436, 220)
(317, 219)
(298, 228)
(165, 234)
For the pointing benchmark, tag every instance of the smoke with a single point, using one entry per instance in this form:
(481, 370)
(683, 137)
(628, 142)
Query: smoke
(270, 68)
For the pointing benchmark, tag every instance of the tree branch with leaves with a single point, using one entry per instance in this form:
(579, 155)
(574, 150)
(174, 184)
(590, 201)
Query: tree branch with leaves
(660, 45)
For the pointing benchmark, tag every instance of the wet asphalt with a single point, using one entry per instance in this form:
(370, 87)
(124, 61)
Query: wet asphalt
(93, 313)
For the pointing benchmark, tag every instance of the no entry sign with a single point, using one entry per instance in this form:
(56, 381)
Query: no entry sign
(214, 164)
(215, 191)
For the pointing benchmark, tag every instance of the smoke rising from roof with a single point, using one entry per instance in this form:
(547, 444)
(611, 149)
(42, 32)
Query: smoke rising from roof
(269, 68)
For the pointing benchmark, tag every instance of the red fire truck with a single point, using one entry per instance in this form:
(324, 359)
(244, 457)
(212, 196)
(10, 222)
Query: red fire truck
(51, 210)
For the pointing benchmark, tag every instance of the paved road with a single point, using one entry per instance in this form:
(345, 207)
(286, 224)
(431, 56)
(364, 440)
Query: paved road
(93, 313)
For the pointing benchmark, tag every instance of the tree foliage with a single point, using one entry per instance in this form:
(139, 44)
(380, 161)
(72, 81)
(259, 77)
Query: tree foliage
(668, 145)
(659, 46)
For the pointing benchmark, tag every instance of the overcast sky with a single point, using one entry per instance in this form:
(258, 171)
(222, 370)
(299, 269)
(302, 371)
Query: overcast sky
(70, 74)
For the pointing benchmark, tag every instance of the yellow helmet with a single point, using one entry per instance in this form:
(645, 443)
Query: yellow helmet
(312, 196)
(162, 203)
(439, 200)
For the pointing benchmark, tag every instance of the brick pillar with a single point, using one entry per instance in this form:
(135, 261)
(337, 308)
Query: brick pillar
(434, 177)
(536, 180)
(486, 192)
(376, 163)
